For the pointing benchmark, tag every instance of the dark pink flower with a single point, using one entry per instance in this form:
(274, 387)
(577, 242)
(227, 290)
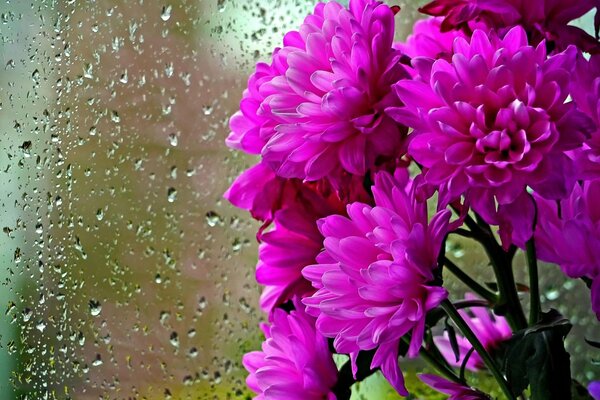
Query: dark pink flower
(293, 243)
(455, 390)
(295, 362)
(374, 278)
(319, 107)
(570, 237)
(493, 122)
(585, 90)
(490, 330)
(428, 40)
(261, 192)
(542, 19)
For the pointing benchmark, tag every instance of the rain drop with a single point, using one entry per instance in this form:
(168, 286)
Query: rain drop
(166, 13)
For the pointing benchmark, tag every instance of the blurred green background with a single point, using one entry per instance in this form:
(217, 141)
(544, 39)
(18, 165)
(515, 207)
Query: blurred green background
(124, 274)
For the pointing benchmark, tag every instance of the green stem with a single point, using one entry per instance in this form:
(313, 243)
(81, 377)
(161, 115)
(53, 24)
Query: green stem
(508, 304)
(435, 363)
(470, 282)
(472, 338)
(534, 288)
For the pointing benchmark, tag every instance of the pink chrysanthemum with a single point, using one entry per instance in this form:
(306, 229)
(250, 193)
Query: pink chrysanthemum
(493, 122)
(543, 19)
(261, 192)
(585, 90)
(295, 362)
(455, 390)
(293, 243)
(490, 330)
(319, 107)
(428, 40)
(570, 237)
(374, 277)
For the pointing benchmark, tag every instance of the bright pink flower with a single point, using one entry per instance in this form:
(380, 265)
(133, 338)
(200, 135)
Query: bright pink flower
(261, 192)
(543, 19)
(375, 276)
(585, 90)
(493, 122)
(293, 243)
(571, 237)
(455, 390)
(318, 108)
(490, 330)
(295, 362)
(428, 40)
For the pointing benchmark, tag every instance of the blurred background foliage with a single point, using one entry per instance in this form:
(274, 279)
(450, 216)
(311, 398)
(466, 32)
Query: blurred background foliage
(124, 274)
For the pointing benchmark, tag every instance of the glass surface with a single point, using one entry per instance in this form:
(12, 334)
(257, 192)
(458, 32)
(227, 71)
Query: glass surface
(124, 273)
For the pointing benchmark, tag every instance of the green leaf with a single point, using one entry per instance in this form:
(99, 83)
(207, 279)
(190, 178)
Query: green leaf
(536, 357)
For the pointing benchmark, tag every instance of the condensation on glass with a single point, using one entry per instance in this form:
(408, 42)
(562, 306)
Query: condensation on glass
(124, 274)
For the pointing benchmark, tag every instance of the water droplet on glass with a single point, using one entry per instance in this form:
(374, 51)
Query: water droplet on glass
(174, 339)
(213, 219)
(173, 139)
(171, 195)
(166, 13)
(95, 308)
(97, 361)
(124, 77)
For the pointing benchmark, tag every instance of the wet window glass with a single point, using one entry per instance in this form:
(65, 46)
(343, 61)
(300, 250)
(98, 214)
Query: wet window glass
(124, 272)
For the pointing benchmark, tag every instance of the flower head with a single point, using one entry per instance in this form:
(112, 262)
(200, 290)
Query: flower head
(295, 362)
(293, 243)
(543, 19)
(571, 237)
(493, 121)
(490, 330)
(455, 390)
(585, 90)
(428, 40)
(374, 279)
(318, 108)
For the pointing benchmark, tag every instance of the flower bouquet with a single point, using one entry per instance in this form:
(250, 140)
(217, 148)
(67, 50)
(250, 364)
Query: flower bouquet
(483, 124)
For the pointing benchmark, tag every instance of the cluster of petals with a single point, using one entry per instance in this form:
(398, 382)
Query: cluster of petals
(293, 242)
(456, 391)
(493, 122)
(490, 330)
(568, 234)
(544, 20)
(295, 362)
(585, 91)
(428, 40)
(319, 108)
(374, 276)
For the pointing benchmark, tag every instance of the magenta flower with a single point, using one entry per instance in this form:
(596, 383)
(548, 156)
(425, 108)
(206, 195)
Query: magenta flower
(319, 107)
(490, 330)
(261, 192)
(295, 362)
(428, 40)
(293, 243)
(543, 19)
(585, 90)
(455, 390)
(493, 122)
(571, 238)
(374, 278)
